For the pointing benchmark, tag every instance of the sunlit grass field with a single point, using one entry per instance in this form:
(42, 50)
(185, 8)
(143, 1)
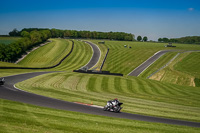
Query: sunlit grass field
(190, 64)
(162, 61)
(22, 118)
(184, 70)
(47, 55)
(52, 53)
(79, 57)
(140, 96)
(123, 59)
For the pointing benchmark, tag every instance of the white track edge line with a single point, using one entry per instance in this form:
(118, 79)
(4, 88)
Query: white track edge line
(143, 63)
(92, 55)
(151, 64)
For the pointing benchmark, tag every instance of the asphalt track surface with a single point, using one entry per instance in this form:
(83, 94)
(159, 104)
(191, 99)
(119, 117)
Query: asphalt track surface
(96, 55)
(9, 92)
(137, 71)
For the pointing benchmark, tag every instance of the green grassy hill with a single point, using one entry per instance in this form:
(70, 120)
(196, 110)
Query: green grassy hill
(162, 61)
(190, 64)
(184, 70)
(139, 95)
(50, 55)
(124, 60)
(80, 56)
(22, 118)
(47, 55)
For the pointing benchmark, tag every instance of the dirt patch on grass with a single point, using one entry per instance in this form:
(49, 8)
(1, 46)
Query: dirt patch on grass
(192, 82)
(158, 76)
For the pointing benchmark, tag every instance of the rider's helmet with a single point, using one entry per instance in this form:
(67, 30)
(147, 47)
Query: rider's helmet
(116, 99)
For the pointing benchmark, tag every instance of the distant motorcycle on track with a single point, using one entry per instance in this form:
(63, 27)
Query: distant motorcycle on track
(113, 105)
(2, 81)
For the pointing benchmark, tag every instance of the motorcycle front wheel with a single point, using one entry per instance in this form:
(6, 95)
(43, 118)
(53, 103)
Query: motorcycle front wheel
(105, 108)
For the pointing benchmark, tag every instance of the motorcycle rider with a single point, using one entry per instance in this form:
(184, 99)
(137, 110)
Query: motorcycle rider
(2, 81)
(112, 103)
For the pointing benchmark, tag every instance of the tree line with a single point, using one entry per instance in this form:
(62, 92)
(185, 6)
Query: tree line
(34, 36)
(13, 51)
(144, 39)
(188, 39)
(55, 33)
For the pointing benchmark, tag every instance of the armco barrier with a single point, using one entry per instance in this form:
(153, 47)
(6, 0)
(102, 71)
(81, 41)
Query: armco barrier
(104, 60)
(43, 67)
(98, 72)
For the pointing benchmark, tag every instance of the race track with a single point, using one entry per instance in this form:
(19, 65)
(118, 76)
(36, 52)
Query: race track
(137, 71)
(9, 92)
(96, 55)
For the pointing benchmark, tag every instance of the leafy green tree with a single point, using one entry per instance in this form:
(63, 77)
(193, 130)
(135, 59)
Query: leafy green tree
(67, 33)
(145, 39)
(165, 39)
(139, 38)
(14, 32)
(25, 34)
(55, 33)
(45, 34)
(128, 37)
(36, 37)
(160, 39)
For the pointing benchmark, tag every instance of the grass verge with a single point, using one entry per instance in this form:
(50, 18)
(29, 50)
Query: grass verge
(22, 118)
(183, 70)
(140, 96)
(47, 55)
(123, 59)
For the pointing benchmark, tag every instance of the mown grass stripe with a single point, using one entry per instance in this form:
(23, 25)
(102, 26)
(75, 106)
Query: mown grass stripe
(117, 85)
(104, 84)
(111, 85)
(47, 55)
(130, 86)
(123, 85)
(142, 88)
(82, 85)
(91, 83)
(136, 86)
(78, 58)
(61, 121)
(98, 84)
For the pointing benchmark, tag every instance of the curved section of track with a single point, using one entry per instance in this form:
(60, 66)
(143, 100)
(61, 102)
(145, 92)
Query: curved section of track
(96, 55)
(9, 92)
(43, 67)
(137, 71)
(147, 63)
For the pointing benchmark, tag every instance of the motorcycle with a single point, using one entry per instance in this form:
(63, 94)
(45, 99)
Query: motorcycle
(2, 81)
(114, 108)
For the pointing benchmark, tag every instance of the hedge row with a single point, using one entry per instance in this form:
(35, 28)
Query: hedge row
(13, 51)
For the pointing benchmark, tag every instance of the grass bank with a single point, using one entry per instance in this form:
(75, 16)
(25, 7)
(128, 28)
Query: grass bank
(22, 118)
(123, 59)
(79, 57)
(139, 95)
(47, 55)
(184, 70)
